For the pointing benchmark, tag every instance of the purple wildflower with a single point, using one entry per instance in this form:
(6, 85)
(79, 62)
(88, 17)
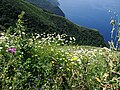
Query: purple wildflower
(19, 68)
(11, 50)
(38, 88)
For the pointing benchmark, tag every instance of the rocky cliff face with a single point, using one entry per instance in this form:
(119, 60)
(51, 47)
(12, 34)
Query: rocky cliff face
(49, 5)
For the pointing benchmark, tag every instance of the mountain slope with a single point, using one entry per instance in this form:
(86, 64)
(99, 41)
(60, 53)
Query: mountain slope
(54, 2)
(49, 5)
(38, 20)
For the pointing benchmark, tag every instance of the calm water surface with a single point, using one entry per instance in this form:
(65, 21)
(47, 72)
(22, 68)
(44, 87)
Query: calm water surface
(92, 13)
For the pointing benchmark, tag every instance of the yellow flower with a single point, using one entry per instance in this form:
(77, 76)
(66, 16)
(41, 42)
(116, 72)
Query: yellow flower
(98, 79)
(68, 69)
(53, 62)
(75, 58)
(7, 78)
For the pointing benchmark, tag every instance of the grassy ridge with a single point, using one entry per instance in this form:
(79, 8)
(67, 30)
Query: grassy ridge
(51, 6)
(38, 20)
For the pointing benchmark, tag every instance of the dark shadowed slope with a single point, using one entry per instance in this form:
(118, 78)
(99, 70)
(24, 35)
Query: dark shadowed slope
(49, 5)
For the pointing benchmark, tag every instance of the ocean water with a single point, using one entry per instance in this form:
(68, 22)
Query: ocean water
(95, 14)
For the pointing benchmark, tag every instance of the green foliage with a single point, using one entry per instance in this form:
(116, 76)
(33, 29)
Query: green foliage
(40, 21)
(97, 69)
(46, 62)
(30, 61)
(115, 44)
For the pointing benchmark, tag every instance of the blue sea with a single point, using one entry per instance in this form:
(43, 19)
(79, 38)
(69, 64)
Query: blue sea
(95, 14)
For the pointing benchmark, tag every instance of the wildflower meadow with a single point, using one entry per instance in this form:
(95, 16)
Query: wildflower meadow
(31, 61)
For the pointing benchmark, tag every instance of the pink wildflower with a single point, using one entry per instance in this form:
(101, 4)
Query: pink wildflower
(11, 50)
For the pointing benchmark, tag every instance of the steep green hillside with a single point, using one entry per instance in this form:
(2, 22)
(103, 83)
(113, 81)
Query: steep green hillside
(49, 5)
(38, 20)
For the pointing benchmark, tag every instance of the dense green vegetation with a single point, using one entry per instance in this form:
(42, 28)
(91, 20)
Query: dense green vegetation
(39, 21)
(29, 62)
(49, 5)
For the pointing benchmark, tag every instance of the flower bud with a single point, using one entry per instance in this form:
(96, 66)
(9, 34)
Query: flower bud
(118, 24)
(112, 22)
